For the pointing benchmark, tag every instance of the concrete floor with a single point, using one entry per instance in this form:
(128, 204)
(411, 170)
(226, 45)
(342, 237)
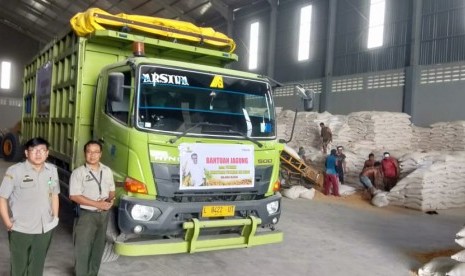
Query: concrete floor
(324, 236)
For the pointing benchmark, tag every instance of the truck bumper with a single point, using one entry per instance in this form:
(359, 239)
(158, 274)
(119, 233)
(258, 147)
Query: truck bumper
(184, 218)
(192, 241)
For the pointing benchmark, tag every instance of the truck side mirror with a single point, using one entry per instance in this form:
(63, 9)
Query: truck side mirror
(308, 103)
(115, 88)
(307, 95)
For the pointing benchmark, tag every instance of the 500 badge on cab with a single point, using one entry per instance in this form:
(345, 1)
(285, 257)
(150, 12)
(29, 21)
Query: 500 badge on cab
(265, 161)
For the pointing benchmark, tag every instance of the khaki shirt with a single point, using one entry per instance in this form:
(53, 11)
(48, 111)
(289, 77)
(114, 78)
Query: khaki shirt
(83, 183)
(29, 196)
(326, 133)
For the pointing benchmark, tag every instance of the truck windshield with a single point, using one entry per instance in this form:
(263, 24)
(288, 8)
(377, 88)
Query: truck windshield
(195, 103)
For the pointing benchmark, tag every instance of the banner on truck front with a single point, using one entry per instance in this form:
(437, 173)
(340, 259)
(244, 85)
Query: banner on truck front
(217, 166)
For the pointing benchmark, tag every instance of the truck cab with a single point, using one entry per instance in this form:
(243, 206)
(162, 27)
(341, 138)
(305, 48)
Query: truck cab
(153, 115)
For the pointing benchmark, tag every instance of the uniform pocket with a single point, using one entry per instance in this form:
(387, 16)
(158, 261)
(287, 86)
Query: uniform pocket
(26, 185)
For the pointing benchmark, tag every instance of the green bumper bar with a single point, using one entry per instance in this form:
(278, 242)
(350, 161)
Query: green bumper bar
(194, 242)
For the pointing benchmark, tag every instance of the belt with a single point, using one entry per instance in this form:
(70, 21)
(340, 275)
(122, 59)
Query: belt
(93, 211)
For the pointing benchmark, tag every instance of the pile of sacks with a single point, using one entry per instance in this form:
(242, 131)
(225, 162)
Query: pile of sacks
(307, 129)
(448, 136)
(421, 138)
(432, 182)
(360, 133)
(385, 130)
(431, 176)
(412, 161)
(453, 266)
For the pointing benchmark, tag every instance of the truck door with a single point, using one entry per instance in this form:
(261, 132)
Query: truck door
(112, 127)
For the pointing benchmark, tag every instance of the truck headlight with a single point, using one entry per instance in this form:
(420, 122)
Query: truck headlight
(272, 207)
(142, 212)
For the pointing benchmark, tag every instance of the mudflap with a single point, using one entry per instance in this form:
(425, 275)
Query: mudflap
(193, 241)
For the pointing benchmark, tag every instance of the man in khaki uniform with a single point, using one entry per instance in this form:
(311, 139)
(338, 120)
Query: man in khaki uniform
(93, 188)
(30, 191)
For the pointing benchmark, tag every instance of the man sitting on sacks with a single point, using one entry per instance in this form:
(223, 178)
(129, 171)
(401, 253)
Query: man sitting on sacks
(371, 175)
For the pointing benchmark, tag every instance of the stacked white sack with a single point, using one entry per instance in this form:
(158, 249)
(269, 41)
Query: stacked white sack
(357, 133)
(387, 130)
(448, 136)
(434, 186)
(421, 138)
(460, 240)
(453, 266)
(411, 161)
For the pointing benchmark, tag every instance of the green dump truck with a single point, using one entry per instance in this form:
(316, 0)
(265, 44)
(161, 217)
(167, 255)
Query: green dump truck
(191, 143)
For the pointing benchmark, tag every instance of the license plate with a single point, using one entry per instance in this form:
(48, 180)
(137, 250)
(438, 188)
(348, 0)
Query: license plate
(218, 211)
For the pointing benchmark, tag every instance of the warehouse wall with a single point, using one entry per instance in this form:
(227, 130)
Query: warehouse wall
(287, 67)
(381, 91)
(242, 37)
(351, 55)
(349, 87)
(442, 94)
(287, 98)
(443, 31)
(19, 50)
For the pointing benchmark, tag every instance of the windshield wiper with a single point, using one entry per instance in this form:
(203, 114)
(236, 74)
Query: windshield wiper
(255, 141)
(234, 132)
(173, 140)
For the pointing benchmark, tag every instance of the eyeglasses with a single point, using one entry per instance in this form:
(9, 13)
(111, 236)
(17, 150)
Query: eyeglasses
(93, 152)
(38, 151)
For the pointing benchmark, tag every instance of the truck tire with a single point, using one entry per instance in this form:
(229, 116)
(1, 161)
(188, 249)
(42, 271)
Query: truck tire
(12, 150)
(1, 142)
(109, 254)
(112, 226)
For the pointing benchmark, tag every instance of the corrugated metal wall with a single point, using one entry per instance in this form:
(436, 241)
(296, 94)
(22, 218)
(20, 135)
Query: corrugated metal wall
(347, 88)
(443, 31)
(351, 55)
(287, 68)
(242, 37)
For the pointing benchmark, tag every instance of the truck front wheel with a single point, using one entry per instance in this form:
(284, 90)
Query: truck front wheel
(11, 148)
(109, 254)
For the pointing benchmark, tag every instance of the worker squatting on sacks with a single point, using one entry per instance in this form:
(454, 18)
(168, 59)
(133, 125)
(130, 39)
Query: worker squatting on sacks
(371, 175)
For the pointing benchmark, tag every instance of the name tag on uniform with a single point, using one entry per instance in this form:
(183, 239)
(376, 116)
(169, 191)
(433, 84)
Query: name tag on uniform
(27, 179)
